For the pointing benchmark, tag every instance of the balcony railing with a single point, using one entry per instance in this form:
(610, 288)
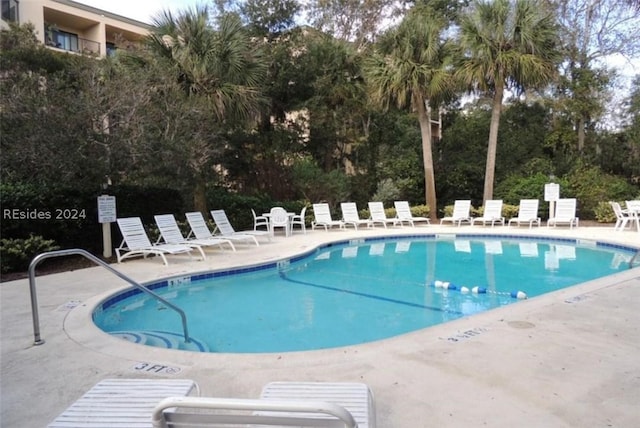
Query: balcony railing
(71, 42)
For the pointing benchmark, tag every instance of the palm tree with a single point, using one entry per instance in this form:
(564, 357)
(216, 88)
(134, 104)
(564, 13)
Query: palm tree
(220, 70)
(412, 67)
(507, 45)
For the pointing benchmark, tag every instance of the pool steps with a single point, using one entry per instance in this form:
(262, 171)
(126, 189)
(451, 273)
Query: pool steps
(161, 339)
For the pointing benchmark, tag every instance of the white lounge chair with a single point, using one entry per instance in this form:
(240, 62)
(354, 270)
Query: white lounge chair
(350, 215)
(403, 213)
(199, 227)
(300, 220)
(322, 217)
(565, 213)
(122, 402)
(281, 404)
(135, 242)
(527, 213)
(461, 210)
(170, 233)
(227, 230)
(377, 215)
(492, 213)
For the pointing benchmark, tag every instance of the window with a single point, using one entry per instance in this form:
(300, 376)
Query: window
(111, 49)
(64, 40)
(10, 10)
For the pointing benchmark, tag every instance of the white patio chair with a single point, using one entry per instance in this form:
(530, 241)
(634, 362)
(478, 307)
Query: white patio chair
(403, 214)
(295, 404)
(633, 209)
(279, 218)
(300, 220)
(322, 217)
(350, 215)
(135, 242)
(565, 213)
(492, 213)
(622, 216)
(259, 220)
(122, 402)
(378, 215)
(461, 210)
(170, 233)
(527, 213)
(227, 230)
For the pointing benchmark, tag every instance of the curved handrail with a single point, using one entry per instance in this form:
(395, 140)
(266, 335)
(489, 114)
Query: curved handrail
(34, 302)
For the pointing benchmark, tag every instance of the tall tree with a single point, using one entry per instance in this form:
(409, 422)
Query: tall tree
(356, 21)
(220, 71)
(507, 45)
(412, 68)
(593, 31)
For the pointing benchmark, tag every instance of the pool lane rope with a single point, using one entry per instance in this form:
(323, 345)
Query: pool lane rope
(445, 285)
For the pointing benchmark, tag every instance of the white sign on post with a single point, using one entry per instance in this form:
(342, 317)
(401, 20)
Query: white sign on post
(106, 216)
(551, 192)
(106, 209)
(551, 195)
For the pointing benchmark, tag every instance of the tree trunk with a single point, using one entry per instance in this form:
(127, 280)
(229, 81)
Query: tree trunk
(490, 169)
(200, 196)
(424, 117)
(581, 134)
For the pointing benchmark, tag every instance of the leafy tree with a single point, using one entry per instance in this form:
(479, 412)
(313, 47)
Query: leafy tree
(356, 21)
(270, 18)
(411, 67)
(507, 45)
(632, 131)
(591, 31)
(336, 106)
(220, 71)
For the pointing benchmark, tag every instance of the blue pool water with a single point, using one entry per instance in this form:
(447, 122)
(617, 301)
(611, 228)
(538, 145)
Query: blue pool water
(353, 292)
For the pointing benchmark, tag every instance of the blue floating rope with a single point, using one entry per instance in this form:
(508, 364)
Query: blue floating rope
(445, 285)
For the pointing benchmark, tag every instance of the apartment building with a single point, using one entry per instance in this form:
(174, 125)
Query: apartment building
(69, 26)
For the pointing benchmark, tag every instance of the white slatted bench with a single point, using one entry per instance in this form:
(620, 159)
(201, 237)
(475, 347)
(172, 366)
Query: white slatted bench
(125, 403)
(356, 397)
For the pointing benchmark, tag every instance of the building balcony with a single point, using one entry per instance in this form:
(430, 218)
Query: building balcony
(70, 42)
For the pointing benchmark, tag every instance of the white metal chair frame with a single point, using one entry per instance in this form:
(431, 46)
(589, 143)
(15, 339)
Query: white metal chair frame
(259, 220)
(300, 220)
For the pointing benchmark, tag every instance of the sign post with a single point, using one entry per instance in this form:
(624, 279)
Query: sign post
(551, 195)
(106, 216)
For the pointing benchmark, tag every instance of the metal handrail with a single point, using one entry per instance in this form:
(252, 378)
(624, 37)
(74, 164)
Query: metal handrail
(34, 302)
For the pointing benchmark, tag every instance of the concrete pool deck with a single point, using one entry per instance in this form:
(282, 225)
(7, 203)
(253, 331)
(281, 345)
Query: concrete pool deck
(566, 359)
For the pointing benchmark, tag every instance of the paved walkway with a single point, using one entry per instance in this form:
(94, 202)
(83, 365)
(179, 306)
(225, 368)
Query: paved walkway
(566, 359)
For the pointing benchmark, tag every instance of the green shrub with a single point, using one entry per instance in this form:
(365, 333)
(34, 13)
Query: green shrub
(387, 191)
(591, 186)
(16, 254)
(509, 211)
(604, 213)
(419, 210)
(516, 188)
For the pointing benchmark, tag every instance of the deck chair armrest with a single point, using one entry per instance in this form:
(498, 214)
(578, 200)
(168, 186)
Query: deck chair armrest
(278, 410)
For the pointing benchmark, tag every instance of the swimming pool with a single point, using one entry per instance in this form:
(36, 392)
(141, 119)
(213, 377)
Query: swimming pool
(353, 292)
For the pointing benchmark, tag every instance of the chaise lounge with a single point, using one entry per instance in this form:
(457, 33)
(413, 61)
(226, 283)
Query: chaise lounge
(135, 242)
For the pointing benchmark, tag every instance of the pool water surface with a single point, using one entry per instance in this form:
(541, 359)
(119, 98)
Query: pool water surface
(355, 292)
